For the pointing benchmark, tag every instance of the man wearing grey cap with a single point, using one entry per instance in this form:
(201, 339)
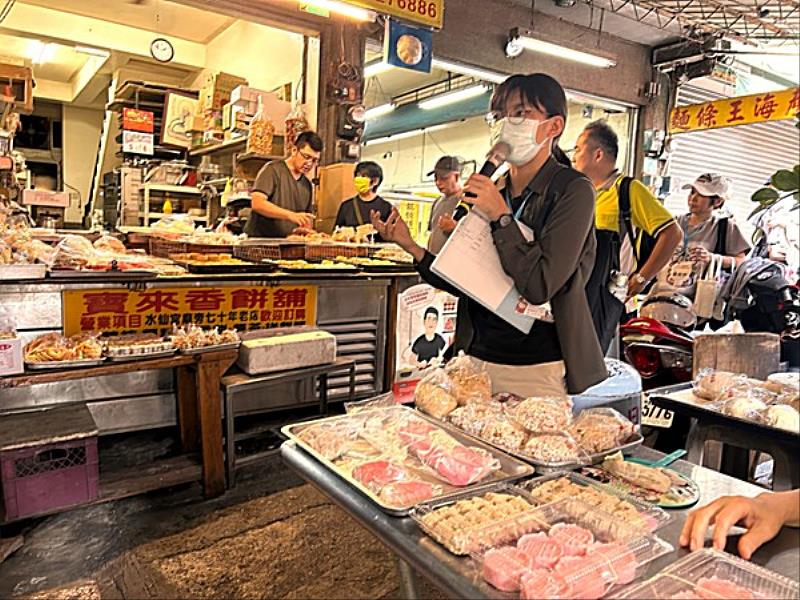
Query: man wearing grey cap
(704, 235)
(447, 175)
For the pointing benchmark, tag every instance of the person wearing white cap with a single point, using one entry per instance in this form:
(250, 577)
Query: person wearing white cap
(704, 235)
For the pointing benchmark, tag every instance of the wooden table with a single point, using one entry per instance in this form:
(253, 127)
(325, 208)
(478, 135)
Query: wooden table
(199, 401)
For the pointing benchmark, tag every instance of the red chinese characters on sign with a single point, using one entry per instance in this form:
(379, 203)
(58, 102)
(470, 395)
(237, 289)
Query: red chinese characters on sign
(116, 311)
(102, 302)
(680, 119)
(735, 112)
(707, 116)
(205, 299)
(765, 106)
(157, 301)
(793, 107)
(250, 298)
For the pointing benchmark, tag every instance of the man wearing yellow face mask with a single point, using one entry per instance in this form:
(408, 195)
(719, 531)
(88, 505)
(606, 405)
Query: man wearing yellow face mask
(356, 211)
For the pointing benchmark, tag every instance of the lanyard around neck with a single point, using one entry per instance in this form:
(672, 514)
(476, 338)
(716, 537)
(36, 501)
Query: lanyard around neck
(526, 195)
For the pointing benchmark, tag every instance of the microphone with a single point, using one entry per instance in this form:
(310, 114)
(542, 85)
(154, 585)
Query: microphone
(496, 157)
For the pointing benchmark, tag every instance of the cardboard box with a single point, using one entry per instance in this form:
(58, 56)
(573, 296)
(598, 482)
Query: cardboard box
(216, 90)
(276, 109)
(11, 362)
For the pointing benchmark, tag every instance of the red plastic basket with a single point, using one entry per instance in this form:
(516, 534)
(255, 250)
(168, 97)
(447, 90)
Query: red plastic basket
(50, 477)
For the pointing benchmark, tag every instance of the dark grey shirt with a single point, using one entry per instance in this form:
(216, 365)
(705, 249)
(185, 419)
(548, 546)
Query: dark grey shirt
(277, 183)
(443, 206)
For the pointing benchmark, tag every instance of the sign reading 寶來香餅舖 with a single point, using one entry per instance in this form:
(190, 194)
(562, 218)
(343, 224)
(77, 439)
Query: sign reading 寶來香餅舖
(156, 310)
(728, 112)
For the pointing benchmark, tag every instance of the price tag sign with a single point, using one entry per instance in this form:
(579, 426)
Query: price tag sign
(425, 12)
(655, 416)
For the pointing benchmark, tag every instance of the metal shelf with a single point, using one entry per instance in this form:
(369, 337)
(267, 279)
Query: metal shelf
(172, 189)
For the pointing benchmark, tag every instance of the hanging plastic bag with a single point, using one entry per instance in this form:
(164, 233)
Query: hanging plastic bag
(296, 123)
(259, 140)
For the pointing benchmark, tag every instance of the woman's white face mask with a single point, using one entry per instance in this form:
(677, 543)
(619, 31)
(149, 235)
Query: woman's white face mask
(521, 137)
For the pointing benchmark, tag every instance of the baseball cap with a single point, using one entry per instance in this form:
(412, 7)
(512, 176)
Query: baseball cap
(710, 184)
(445, 165)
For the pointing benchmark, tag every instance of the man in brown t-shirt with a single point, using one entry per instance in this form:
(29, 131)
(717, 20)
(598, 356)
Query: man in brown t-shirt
(281, 199)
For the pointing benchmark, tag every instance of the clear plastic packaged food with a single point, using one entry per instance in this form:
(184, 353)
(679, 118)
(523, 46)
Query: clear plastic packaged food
(713, 574)
(542, 415)
(569, 548)
(554, 450)
(504, 433)
(744, 402)
(473, 417)
(74, 252)
(434, 394)
(601, 429)
(563, 485)
(782, 416)
(470, 380)
(382, 401)
(452, 521)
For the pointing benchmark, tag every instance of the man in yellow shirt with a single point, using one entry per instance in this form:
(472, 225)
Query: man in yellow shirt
(596, 157)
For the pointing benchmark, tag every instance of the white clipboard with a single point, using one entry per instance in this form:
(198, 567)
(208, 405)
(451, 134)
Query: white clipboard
(469, 261)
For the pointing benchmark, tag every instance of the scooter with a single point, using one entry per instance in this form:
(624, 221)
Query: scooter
(658, 343)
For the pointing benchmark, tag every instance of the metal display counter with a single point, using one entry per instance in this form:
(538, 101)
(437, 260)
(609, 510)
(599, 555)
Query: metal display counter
(417, 553)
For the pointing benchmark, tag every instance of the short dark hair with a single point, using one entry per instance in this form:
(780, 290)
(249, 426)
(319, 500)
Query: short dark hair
(310, 139)
(603, 137)
(431, 310)
(372, 170)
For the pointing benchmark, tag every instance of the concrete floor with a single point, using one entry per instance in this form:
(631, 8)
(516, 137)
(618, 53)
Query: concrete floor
(269, 537)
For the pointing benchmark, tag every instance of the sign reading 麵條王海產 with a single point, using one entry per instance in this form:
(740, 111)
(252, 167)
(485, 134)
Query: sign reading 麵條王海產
(757, 108)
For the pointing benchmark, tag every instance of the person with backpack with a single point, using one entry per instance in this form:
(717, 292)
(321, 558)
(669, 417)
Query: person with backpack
(636, 235)
(529, 112)
(703, 234)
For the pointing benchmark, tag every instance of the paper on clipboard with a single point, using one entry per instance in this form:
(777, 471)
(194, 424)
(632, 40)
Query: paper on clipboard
(469, 261)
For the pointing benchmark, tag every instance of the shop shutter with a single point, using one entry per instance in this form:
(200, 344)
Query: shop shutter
(748, 155)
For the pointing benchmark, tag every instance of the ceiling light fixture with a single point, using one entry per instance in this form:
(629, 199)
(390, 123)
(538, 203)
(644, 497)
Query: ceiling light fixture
(469, 70)
(406, 134)
(452, 97)
(341, 8)
(41, 52)
(375, 68)
(378, 111)
(520, 39)
(93, 51)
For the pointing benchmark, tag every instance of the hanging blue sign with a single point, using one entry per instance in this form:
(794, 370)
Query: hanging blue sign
(407, 47)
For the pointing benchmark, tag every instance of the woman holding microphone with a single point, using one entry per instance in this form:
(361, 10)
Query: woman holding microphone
(528, 113)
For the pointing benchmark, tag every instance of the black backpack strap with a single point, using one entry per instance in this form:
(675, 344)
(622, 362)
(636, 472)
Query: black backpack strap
(555, 189)
(722, 236)
(625, 220)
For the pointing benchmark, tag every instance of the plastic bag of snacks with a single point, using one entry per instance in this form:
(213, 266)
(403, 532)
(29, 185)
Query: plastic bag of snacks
(296, 123)
(540, 415)
(470, 379)
(601, 429)
(553, 448)
(259, 139)
(74, 252)
(473, 417)
(504, 433)
(382, 401)
(434, 394)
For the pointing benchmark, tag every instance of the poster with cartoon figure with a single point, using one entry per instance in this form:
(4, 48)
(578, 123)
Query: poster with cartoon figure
(426, 323)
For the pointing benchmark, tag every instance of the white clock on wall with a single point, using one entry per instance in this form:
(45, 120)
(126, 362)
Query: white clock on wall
(162, 50)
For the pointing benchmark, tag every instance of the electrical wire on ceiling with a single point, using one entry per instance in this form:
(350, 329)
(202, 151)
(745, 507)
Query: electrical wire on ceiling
(6, 9)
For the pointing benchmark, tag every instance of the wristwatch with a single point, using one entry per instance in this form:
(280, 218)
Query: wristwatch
(503, 221)
(638, 278)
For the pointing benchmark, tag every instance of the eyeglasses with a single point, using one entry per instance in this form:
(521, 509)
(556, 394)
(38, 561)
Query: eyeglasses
(517, 117)
(308, 158)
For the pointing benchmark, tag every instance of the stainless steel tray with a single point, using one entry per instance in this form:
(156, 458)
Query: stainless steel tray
(511, 468)
(545, 467)
(229, 346)
(143, 355)
(460, 547)
(658, 517)
(64, 364)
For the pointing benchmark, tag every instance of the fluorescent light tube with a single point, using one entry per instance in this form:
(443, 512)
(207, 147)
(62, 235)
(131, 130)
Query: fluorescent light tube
(543, 47)
(464, 69)
(341, 8)
(452, 97)
(378, 111)
(93, 51)
(376, 68)
(406, 134)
